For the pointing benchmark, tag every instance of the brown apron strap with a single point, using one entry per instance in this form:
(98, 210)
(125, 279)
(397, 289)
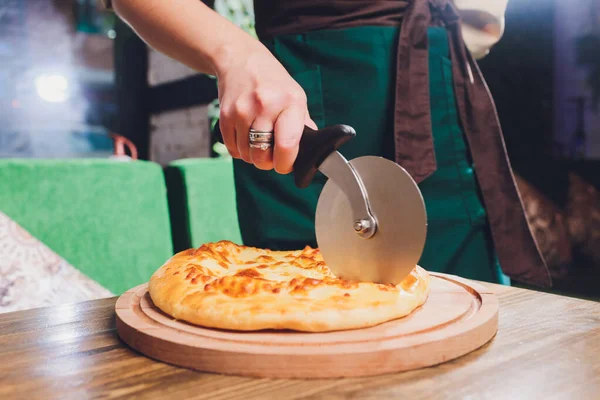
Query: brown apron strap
(412, 115)
(516, 247)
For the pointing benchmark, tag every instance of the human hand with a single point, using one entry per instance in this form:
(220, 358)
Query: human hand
(256, 92)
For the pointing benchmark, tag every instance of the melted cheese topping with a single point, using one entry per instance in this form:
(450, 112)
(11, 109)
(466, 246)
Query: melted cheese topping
(228, 286)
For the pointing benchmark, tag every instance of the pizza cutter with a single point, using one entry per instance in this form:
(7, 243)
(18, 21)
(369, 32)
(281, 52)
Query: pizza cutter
(370, 220)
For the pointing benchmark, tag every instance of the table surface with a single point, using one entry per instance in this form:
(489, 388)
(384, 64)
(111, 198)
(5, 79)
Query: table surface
(547, 346)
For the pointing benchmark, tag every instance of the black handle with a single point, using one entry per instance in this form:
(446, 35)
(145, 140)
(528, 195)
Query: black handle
(315, 146)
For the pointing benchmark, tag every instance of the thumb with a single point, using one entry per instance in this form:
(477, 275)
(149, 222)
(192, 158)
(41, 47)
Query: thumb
(309, 122)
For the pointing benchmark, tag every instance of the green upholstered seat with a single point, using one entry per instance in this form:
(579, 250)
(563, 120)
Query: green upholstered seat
(107, 218)
(202, 201)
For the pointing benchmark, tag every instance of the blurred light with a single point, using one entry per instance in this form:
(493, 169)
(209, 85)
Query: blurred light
(16, 104)
(52, 88)
(112, 34)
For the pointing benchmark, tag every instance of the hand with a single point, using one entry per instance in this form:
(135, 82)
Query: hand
(255, 91)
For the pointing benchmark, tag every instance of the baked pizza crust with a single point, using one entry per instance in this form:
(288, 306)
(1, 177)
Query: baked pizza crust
(228, 286)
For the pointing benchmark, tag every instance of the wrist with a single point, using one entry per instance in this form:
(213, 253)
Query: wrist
(233, 52)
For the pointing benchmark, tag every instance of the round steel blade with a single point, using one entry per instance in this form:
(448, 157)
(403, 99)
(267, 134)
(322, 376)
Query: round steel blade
(397, 205)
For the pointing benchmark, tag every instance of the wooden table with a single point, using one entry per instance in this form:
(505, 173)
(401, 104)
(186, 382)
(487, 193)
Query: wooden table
(547, 347)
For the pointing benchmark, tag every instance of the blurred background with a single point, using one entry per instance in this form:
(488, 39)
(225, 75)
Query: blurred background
(72, 73)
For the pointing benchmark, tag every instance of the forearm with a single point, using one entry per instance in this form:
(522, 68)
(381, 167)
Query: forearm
(188, 31)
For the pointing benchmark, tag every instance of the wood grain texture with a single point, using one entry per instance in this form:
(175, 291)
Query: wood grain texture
(547, 347)
(458, 317)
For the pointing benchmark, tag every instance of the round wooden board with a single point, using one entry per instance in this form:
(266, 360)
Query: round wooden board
(458, 317)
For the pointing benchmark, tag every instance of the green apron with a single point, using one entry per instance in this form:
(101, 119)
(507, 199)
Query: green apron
(348, 76)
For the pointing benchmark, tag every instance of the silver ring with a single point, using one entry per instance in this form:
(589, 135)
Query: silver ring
(260, 139)
(252, 130)
(260, 136)
(261, 146)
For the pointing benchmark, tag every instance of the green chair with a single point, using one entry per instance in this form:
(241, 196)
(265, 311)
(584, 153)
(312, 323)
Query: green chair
(202, 201)
(107, 218)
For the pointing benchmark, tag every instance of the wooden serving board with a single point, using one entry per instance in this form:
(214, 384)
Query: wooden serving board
(458, 317)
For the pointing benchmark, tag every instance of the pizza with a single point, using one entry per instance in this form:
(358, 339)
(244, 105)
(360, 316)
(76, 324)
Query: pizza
(228, 286)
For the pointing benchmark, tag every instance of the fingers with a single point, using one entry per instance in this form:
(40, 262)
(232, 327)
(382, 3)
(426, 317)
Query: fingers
(244, 113)
(228, 133)
(262, 159)
(288, 130)
(309, 122)
(273, 109)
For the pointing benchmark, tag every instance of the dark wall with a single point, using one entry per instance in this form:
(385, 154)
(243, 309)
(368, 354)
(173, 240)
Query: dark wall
(137, 100)
(131, 68)
(519, 72)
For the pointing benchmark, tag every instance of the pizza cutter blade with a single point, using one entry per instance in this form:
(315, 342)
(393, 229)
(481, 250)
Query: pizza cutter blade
(370, 221)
